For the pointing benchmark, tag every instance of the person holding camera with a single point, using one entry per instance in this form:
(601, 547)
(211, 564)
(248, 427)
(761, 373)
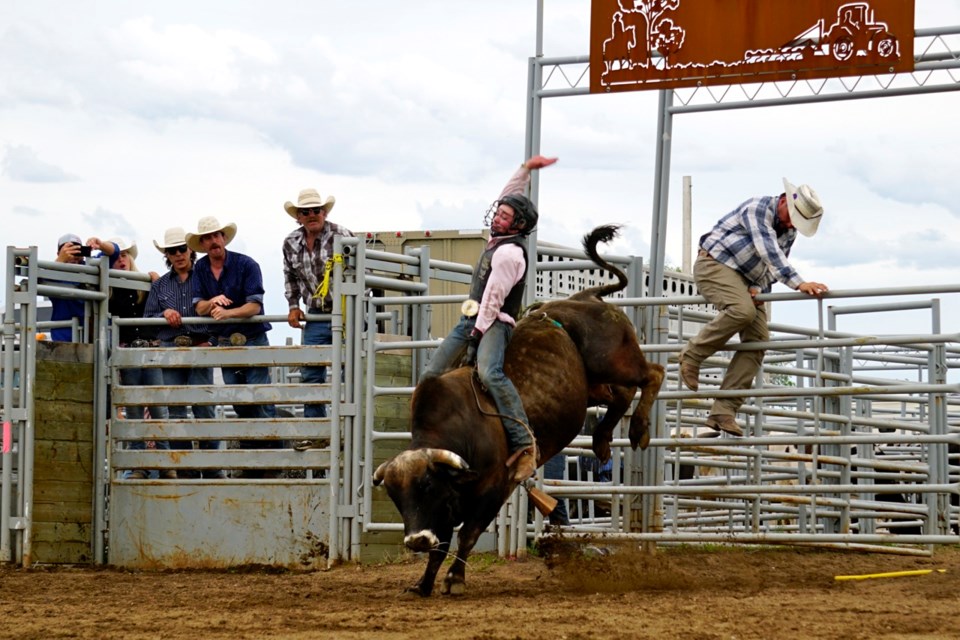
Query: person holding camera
(71, 250)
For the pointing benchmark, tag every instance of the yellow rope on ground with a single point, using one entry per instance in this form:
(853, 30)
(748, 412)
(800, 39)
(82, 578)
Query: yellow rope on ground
(890, 574)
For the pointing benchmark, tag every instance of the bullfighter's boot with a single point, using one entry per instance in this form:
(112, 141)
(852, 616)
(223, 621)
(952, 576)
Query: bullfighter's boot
(725, 423)
(689, 373)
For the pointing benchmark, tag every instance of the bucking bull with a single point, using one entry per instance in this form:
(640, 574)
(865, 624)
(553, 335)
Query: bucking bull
(565, 355)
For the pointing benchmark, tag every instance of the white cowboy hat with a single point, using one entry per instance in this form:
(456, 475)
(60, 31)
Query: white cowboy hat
(125, 245)
(172, 237)
(804, 207)
(309, 198)
(209, 224)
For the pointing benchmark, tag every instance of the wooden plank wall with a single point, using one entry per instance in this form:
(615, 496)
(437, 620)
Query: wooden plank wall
(63, 474)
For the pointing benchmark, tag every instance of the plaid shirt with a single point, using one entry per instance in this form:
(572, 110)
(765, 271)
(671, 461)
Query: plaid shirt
(302, 269)
(168, 292)
(748, 241)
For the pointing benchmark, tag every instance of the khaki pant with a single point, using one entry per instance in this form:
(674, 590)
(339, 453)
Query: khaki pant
(728, 291)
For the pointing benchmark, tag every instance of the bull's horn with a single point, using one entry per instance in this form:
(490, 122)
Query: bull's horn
(380, 472)
(449, 458)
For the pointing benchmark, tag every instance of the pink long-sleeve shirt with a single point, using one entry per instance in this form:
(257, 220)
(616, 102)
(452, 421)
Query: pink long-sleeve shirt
(506, 267)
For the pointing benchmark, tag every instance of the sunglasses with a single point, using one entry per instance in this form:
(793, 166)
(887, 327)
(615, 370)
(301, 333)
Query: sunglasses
(172, 251)
(311, 211)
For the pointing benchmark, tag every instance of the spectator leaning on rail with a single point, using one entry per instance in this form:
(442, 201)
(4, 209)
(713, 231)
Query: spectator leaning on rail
(741, 257)
(307, 252)
(71, 250)
(171, 298)
(489, 316)
(226, 285)
(129, 303)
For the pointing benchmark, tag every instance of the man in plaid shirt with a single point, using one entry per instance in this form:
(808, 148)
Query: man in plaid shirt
(305, 254)
(742, 256)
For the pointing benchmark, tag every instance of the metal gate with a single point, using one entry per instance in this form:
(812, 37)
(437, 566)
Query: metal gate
(827, 440)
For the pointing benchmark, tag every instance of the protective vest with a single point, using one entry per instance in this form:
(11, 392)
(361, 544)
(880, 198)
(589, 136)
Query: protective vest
(514, 300)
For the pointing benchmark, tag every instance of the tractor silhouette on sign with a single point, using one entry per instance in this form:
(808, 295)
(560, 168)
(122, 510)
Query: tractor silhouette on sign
(855, 32)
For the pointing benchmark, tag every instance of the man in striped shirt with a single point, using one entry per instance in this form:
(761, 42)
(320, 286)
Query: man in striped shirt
(742, 256)
(171, 298)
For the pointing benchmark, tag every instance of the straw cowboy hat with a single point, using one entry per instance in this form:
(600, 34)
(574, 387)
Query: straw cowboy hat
(309, 198)
(804, 207)
(209, 224)
(172, 237)
(125, 245)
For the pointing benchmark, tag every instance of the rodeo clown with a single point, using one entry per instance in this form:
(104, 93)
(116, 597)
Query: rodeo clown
(490, 315)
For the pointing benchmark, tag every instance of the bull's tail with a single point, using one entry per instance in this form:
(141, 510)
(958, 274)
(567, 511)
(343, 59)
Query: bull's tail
(603, 234)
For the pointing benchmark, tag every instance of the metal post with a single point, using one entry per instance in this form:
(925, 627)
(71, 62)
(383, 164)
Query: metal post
(6, 437)
(353, 375)
(687, 225)
(654, 333)
(939, 503)
(101, 413)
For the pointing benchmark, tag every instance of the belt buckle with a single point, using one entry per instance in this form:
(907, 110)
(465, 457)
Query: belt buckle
(139, 343)
(470, 308)
(183, 341)
(238, 339)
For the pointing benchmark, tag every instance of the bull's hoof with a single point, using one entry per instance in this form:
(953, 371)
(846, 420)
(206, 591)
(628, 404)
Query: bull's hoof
(640, 434)
(601, 448)
(418, 590)
(453, 588)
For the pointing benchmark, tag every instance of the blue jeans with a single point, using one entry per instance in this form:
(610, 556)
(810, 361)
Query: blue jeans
(144, 377)
(253, 375)
(315, 333)
(553, 470)
(181, 376)
(490, 354)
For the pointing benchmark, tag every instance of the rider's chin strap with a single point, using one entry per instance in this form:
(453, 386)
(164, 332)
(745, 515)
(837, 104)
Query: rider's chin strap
(324, 287)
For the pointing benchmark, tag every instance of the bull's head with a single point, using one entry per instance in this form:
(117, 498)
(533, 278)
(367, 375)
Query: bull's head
(425, 485)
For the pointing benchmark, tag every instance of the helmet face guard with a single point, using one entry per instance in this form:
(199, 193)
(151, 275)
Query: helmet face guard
(525, 214)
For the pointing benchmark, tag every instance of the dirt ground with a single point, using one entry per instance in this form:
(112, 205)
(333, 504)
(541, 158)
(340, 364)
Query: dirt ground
(684, 593)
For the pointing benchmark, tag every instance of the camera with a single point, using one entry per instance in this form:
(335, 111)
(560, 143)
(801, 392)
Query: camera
(85, 251)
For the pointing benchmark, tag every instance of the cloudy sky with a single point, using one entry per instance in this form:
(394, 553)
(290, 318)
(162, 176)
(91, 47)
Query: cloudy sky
(126, 117)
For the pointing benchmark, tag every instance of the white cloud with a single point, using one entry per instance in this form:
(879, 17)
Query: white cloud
(186, 59)
(21, 163)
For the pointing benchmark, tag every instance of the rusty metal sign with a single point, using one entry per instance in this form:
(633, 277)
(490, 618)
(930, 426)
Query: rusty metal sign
(668, 44)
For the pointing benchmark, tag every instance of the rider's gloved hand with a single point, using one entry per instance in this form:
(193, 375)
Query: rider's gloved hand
(470, 358)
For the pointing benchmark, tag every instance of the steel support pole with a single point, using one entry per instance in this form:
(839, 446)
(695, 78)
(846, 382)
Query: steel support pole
(652, 517)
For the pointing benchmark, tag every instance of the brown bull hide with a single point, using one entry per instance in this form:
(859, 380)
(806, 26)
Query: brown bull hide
(608, 345)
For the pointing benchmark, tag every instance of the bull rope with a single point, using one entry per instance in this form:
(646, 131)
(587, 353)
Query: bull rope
(474, 382)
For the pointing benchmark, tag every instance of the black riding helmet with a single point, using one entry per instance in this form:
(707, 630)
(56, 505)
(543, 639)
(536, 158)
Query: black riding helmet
(525, 214)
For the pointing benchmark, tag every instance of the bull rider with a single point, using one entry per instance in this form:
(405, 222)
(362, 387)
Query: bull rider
(490, 315)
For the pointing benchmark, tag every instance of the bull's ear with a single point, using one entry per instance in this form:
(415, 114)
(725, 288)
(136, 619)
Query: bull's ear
(379, 473)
